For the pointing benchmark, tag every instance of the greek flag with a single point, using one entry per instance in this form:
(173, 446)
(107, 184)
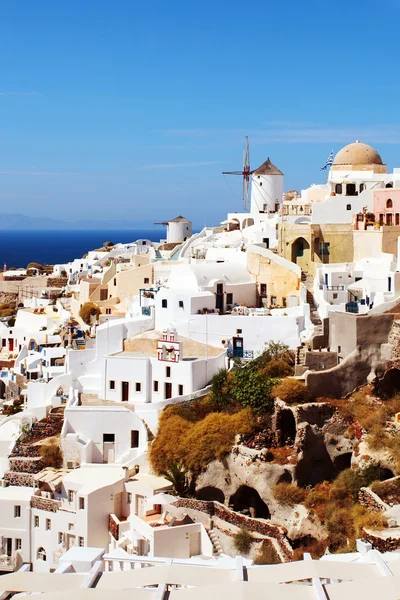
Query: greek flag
(328, 163)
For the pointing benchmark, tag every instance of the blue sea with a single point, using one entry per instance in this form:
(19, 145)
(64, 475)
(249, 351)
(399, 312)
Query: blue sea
(18, 248)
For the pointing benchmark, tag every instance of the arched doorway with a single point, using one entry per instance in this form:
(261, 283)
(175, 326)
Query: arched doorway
(285, 427)
(210, 493)
(41, 554)
(247, 499)
(301, 253)
(247, 222)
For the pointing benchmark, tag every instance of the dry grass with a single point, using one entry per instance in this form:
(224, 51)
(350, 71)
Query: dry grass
(288, 494)
(291, 391)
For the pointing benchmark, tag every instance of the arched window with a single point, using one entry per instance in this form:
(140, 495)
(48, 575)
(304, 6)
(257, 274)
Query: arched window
(389, 203)
(41, 554)
(389, 185)
(338, 188)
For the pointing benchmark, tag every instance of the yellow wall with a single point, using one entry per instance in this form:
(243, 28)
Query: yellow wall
(127, 283)
(281, 282)
(339, 236)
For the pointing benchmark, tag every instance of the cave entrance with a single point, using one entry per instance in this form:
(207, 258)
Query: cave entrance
(286, 427)
(342, 462)
(246, 499)
(211, 493)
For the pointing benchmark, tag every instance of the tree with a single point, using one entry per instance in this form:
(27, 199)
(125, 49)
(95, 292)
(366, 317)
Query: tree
(252, 389)
(88, 310)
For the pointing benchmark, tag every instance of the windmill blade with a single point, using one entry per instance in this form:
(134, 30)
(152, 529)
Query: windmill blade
(246, 186)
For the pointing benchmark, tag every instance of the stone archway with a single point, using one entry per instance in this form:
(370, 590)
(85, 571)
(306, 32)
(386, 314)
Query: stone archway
(249, 500)
(285, 427)
(210, 493)
(247, 222)
(301, 253)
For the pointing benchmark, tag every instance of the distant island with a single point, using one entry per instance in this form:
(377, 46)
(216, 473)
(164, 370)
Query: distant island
(21, 222)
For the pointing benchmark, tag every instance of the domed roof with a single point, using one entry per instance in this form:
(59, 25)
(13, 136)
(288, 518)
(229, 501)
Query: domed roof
(357, 154)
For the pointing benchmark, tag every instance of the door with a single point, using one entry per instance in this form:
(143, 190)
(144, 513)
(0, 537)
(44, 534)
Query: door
(11, 344)
(168, 390)
(108, 447)
(9, 546)
(140, 506)
(125, 391)
(237, 345)
(194, 544)
(70, 540)
(219, 300)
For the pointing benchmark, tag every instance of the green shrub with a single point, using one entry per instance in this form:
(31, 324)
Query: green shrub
(243, 540)
(288, 494)
(292, 391)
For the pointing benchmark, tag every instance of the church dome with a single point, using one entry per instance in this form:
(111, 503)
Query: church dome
(357, 154)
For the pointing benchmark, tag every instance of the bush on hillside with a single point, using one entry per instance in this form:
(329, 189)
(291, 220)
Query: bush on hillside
(278, 368)
(292, 391)
(88, 310)
(267, 555)
(288, 494)
(243, 540)
(51, 455)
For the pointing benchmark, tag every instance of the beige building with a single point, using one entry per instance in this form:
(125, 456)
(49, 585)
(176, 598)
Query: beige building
(278, 279)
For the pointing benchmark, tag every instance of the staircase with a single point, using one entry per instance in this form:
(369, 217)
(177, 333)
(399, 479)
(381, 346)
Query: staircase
(314, 316)
(217, 549)
(80, 343)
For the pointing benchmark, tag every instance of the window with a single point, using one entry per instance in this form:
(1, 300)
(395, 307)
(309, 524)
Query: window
(155, 386)
(81, 541)
(348, 207)
(362, 187)
(70, 495)
(389, 203)
(41, 554)
(164, 303)
(389, 185)
(180, 389)
(339, 349)
(263, 289)
(324, 248)
(168, 372)
(70, 526)
(180, 303)
(389, 219)
(351, 189)
(108, 311)
(17, 511)
(115, 281)
(134, 438)
(284, 302)
(397, 219)
(36, 521)
(112, 384)
(338, 188)
(146, 280)
(48, 524)
(60, 537)
(129, 498)
(229, 298)
(335, 296)
(260, 183)
(273, 300)
(138, 387)
(18, 543)
(381, 219)
(81, 503)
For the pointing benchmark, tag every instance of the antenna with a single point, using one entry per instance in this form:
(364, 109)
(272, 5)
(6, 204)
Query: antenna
(245, 173)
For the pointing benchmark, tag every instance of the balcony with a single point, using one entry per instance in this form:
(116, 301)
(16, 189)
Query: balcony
(6, 563)
(296, 210)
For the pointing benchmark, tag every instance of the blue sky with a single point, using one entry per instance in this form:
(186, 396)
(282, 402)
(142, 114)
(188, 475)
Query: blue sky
(132, 108)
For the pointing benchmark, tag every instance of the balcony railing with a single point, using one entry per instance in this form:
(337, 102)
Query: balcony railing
(295, 209)
(240, 353)
(335, 288)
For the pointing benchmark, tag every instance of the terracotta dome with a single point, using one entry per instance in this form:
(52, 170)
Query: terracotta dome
(357, 154)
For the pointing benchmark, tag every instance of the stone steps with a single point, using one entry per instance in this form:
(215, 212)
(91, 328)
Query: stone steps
(217, 548)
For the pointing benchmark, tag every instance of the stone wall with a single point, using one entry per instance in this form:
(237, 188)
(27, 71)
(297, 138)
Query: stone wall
(57, 282)
(383, 544)
(370, 500)
(18, 479)
(26, 465)
(216, 509)
(44, 504)
(320, 361)
(113, 526)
